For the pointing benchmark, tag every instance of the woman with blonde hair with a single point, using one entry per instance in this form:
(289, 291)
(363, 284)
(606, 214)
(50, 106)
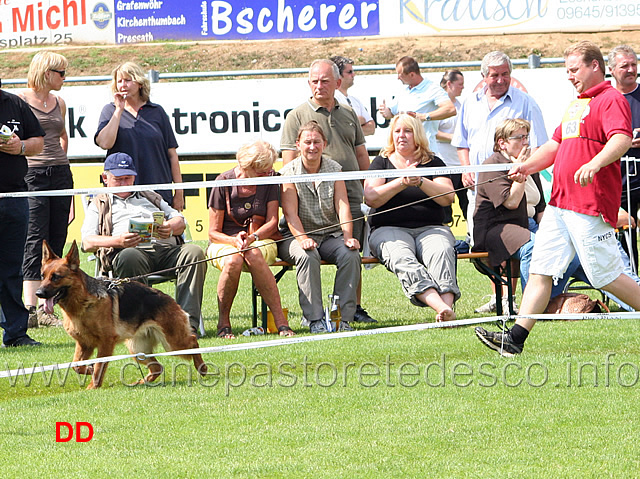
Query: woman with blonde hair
(134, 125)
(241, 217)
(408, 235)
(49, 170)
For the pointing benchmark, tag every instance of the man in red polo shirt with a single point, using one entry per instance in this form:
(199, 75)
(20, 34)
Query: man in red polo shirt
(581, 216)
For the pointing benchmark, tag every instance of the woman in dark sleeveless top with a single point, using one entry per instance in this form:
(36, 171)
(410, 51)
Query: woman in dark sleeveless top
(50, 170)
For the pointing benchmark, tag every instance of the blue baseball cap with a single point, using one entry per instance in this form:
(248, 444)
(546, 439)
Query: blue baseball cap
(120, 164)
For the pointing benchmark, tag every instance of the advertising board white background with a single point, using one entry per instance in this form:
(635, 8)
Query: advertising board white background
(202, 113)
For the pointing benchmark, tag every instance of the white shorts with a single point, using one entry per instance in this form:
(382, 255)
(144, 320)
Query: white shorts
(564, 233)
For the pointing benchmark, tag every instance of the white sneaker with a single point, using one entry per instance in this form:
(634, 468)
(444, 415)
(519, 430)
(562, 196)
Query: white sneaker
(489, 307)
(304, 322)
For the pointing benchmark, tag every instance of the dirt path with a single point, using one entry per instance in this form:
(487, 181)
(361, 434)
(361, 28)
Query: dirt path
(244, 55)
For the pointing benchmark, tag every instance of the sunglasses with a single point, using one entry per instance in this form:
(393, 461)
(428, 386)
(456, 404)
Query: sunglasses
(62, 73)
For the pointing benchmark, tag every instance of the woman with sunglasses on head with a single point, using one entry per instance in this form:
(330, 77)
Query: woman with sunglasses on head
(508, 211)
(245, 218)
(49, 170)
(134, 125)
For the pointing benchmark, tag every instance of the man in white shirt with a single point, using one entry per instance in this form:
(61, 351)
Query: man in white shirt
(484, 110)
(421, 98)
(345, 67)
(478, 118)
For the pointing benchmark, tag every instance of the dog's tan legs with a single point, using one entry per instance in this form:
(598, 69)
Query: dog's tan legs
(105, 349)
(82, 353)
(200, 365)
(98, 375)
(176, 342)
(155, 370)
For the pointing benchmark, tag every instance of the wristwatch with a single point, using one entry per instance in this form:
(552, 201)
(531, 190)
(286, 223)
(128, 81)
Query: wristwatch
(427, 117)
(255, 236)
(23, 148)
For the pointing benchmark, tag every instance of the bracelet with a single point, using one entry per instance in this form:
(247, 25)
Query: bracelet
(23, 148)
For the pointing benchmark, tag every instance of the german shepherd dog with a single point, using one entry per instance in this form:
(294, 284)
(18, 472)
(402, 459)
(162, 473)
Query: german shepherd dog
(100, 314)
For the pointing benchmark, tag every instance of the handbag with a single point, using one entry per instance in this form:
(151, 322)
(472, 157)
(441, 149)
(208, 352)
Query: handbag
(575, 303)
(251, 224)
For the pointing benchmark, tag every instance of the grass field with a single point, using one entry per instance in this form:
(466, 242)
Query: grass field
(434, 403)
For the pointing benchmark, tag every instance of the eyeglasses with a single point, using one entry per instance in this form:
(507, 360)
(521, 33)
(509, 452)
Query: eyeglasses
(519, 137)
(62, 73)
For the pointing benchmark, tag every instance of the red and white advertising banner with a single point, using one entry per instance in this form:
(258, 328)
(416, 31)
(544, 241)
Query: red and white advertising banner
(31, 23)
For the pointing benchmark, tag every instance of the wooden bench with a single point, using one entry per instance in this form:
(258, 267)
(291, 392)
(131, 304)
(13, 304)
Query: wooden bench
(498, 276)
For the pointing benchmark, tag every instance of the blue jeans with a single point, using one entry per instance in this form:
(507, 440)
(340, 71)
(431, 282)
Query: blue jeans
(14, 220)
(524, 254)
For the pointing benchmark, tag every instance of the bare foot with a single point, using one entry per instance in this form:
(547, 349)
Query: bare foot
(445, 315)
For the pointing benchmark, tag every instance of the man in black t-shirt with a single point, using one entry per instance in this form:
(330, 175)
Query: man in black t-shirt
(24, 136)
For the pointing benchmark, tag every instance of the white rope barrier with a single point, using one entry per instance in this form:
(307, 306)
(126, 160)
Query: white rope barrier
(53, 367)
(322, 337)
(573, 316)
(351, 175)
(269, 180)
(252, 345)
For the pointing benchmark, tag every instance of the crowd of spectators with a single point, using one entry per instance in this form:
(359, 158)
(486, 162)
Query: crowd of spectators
(430, 129)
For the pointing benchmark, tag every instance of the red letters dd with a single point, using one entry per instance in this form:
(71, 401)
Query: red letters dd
(69, 436)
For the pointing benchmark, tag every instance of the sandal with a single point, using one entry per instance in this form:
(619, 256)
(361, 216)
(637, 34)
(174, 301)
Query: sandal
(286, 331)
(226, 333)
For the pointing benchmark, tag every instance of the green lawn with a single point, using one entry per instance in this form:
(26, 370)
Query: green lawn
(434, 403)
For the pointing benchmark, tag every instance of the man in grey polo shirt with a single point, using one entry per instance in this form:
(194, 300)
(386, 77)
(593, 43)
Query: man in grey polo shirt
(346, 143)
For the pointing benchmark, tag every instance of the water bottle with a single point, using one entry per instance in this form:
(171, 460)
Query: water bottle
(335, 314)
(186, 234)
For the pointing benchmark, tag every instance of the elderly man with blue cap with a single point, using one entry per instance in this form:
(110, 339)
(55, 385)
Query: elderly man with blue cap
(107, 232)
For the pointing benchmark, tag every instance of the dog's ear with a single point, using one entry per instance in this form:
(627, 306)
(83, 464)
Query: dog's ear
(47, 252)
(73, 257)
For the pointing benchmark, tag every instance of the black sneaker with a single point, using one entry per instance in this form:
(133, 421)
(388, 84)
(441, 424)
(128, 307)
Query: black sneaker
(21, 341)
(362, 316)
(499, 341)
